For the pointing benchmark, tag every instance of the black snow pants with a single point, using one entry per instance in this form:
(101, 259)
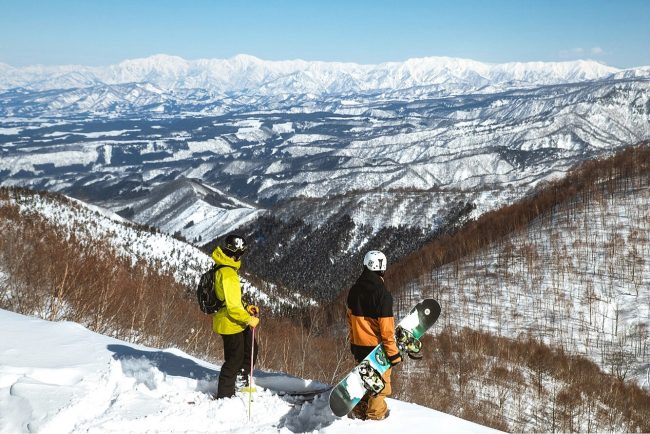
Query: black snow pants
(237, 356)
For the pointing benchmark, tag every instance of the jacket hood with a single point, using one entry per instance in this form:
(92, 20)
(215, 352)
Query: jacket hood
(222, 259)
(371, 276)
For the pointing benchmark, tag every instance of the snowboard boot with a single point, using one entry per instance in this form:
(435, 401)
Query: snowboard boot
(385, 415)
(242, 384)
(355, 416)
(215, 396)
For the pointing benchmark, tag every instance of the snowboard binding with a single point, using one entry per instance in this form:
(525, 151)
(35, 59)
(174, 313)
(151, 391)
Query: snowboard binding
(371, 379)
(407, 343)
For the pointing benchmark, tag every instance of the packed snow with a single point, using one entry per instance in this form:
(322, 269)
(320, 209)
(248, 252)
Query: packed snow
(59, 377)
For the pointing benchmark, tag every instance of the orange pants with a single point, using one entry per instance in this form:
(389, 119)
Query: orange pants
(376, 405)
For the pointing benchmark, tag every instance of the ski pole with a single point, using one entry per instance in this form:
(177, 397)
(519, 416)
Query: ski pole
(250, 378)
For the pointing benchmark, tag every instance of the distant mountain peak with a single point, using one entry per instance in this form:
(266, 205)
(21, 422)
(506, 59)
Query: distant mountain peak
(245, 72)
(247, 58)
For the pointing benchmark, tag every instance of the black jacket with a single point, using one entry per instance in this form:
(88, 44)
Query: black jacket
(370, 316)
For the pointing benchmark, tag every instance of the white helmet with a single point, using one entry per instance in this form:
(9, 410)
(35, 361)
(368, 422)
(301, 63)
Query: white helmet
(375, 260)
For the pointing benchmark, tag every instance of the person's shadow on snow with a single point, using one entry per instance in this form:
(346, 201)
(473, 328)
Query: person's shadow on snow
(140, 364)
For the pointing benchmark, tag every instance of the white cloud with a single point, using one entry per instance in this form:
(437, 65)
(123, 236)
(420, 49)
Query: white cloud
(578, 52)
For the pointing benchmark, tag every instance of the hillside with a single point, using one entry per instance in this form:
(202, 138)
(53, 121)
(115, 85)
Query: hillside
(60, 377)
(87, 223)
(573, 275)
(136, 243)
(507, 384)
(64, 260)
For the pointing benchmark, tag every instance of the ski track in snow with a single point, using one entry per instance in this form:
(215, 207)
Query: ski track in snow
(58, 377)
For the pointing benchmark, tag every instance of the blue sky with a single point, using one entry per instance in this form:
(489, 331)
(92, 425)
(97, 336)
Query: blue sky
(103, 32)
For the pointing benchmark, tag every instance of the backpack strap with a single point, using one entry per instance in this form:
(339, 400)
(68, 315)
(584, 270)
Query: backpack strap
(215, 269)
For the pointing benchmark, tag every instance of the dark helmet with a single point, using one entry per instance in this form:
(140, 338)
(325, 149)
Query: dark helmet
(234, 245)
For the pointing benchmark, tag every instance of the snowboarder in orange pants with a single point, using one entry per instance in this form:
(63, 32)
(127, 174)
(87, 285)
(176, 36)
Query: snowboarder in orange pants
(371, 321)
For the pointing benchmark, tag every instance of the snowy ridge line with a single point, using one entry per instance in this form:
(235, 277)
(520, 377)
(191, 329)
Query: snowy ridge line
(186, 206)
(243, 73)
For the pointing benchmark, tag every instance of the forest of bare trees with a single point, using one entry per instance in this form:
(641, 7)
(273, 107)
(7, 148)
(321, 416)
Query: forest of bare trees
(521, 385)
(565, 269)
(586, 183)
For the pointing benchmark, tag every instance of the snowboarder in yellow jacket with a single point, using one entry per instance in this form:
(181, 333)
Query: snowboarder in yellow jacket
(235, 320)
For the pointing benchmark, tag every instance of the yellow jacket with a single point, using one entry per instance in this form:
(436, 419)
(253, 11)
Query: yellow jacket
(232, 317)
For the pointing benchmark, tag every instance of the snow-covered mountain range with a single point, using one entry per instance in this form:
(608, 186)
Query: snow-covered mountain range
(391, 144)
(247, 73)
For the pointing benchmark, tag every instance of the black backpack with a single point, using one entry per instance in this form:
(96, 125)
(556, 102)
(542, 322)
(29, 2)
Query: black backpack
(206, 293)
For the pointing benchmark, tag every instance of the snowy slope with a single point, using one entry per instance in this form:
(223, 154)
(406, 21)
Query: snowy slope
(62, 378)
(89, 222)
(577, 279)
(196, 210)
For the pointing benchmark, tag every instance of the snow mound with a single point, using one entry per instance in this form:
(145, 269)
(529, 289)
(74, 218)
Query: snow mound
(61, 377)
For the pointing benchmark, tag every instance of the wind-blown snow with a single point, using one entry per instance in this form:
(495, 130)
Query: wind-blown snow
(62, 378)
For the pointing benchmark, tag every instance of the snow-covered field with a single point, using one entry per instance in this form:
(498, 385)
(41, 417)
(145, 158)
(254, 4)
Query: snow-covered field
(58, 377)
